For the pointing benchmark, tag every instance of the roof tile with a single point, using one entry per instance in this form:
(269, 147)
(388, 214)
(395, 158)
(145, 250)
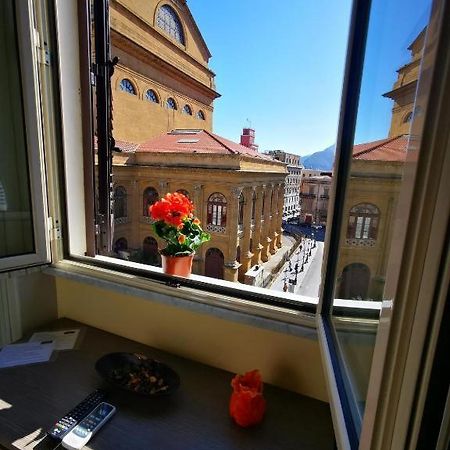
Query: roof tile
(196, 141)
(389, 149)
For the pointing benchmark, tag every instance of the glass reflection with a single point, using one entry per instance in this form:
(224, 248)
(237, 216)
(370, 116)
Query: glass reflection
(386, 109)
(16, 225)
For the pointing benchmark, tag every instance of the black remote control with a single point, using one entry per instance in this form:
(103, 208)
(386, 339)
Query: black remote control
(73, 417)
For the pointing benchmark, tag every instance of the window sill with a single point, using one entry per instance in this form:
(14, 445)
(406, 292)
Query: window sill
(235, 309)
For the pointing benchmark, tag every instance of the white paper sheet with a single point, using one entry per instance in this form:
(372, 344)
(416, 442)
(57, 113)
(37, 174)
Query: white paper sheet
(27, 353)
(64, 339)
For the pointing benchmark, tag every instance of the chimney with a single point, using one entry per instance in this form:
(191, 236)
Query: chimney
(248, 138)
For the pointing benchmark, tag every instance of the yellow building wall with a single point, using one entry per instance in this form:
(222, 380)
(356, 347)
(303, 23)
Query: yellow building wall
(136, 119)
(155, 38)
(151, 59)
(284, 360)
(377, 183)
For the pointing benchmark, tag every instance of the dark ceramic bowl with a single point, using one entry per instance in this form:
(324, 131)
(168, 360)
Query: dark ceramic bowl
(131, 372)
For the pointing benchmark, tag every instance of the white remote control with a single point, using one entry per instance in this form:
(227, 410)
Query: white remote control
(82, 433)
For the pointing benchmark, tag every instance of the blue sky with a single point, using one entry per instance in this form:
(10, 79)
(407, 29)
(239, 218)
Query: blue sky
(280, 65)
(393, 27)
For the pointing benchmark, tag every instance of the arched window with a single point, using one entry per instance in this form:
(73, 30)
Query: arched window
(127, 86)
(120, 202)
(355, 282)
(214, 260)
(253, 205)
(363, 222)
(150, 196)
(169, 21)
(151, 96)
(184, 192)
(217, 209)
(241, 209)
(201, 115)
(187, 110)
(170, 103)
(408, 117)
(121, 245)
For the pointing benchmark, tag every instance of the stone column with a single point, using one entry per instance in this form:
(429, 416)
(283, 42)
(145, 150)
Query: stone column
(265, 235)
(144, 228)
(273, 221)
(134, 211)
(257, 235)
(279, 222)
(197, 199)
(246, 254)
(231, 265)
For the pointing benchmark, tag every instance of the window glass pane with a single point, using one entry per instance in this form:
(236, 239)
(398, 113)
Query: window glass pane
(391, 70)
(16, 226)
(244, 196)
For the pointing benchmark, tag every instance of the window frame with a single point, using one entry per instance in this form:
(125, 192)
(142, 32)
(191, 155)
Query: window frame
(28, 65)
(175, 105)
(156, 100)
(126, 91)
(364, 222)
(223, 292)
(216, 212)
(390, 415)
(177, 21)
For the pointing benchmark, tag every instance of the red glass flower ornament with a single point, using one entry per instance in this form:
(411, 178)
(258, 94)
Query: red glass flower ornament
(247, 404)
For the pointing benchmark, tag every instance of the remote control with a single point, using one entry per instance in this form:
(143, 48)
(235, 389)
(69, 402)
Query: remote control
(83, 432)
(66, 423)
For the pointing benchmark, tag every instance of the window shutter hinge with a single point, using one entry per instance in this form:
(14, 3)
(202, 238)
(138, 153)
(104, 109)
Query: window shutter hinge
(54, 229)
(43, 53)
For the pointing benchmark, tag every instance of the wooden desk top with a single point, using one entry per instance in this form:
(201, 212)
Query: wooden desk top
(194, 418)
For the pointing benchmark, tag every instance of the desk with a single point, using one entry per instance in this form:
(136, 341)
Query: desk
(194, 418)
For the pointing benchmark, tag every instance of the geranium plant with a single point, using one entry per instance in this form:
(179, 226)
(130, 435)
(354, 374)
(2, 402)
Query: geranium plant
(174, 221)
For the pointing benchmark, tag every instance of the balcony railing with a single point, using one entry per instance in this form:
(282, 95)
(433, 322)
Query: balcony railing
(361, 242)
(307, 195)
(215, 229)
(121, 220)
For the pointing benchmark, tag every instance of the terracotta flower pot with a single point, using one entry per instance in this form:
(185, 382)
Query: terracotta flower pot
(180, 266)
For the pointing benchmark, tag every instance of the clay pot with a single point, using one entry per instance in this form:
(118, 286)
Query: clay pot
(181, 266)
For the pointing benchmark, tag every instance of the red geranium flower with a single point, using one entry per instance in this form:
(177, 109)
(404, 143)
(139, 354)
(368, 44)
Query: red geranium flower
(173, 209)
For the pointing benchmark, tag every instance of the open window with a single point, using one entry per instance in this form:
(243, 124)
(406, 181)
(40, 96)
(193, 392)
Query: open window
(24, 221)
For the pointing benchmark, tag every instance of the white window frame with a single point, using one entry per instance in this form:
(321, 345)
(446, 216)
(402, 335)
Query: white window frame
(27, 45)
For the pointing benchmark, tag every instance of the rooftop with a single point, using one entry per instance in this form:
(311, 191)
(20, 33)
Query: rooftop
(196, 141)
(389, 149)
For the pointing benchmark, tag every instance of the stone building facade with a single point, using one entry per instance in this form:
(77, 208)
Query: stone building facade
(291, 209)
(373, 190)
(239, 202)
(314, 197)
(162, 81)
(163, 94)
(404, 90)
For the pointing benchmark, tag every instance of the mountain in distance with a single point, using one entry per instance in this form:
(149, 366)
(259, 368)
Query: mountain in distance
(322, 160)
